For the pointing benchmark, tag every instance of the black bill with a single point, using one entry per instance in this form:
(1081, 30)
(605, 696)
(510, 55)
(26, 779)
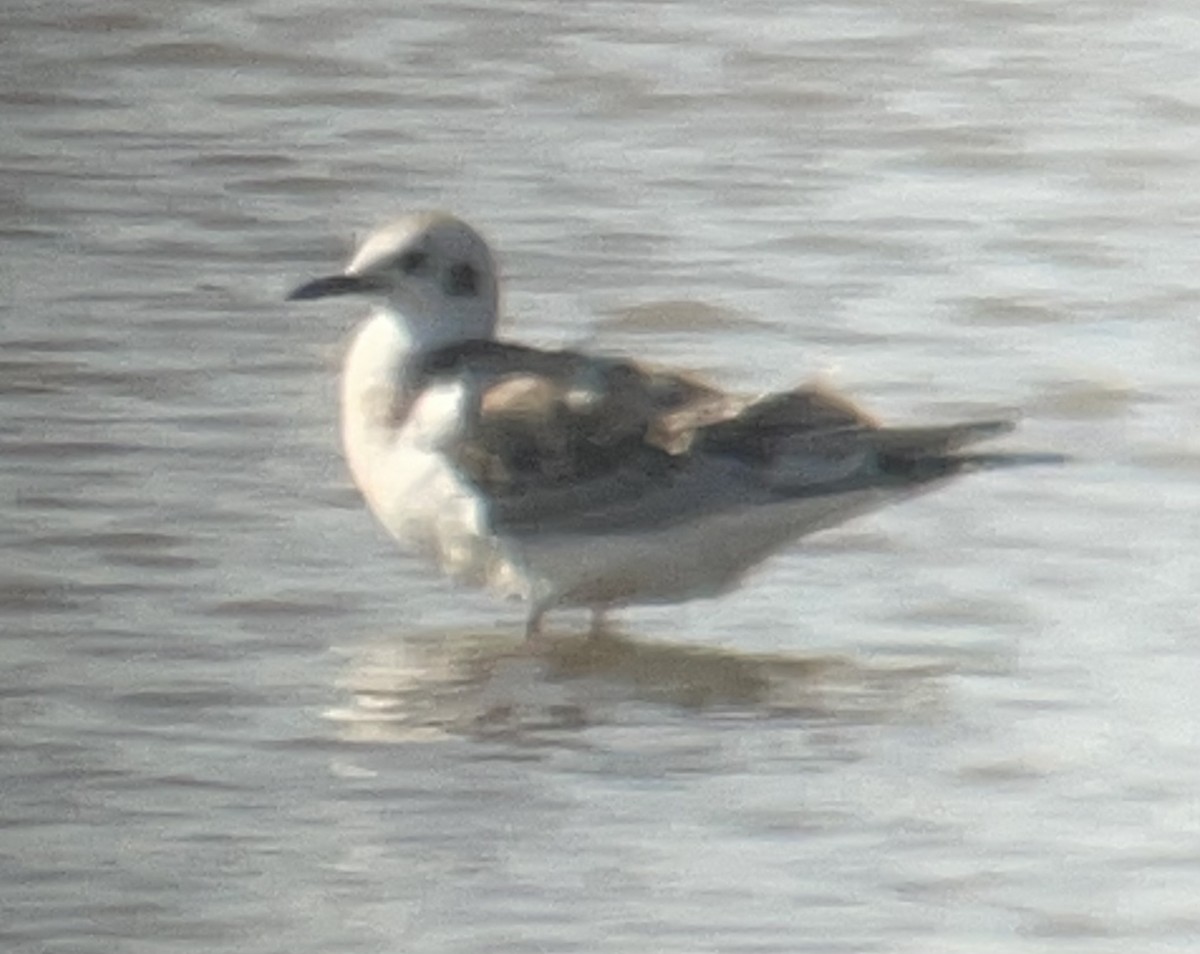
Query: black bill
(333, 285)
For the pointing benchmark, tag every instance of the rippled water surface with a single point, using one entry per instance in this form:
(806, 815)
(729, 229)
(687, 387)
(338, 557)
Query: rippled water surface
(234, 717)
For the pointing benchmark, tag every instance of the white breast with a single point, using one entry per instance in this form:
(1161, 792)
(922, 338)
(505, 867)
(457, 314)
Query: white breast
(396, 460)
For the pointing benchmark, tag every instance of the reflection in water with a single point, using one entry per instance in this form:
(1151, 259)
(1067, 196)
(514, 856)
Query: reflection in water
(488, 684)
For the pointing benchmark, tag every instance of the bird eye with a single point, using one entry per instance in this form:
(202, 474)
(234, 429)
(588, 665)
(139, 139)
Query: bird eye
(413, 261)
(461, 280)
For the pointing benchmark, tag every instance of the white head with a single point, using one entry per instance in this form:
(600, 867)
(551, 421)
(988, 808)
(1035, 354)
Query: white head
(430, 271)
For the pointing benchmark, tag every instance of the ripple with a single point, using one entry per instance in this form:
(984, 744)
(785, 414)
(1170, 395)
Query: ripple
(428, 686)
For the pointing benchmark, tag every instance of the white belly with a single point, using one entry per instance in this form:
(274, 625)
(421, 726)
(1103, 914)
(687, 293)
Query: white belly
(704, 556)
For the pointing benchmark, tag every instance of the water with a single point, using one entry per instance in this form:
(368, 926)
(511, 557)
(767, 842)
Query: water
(234, 717)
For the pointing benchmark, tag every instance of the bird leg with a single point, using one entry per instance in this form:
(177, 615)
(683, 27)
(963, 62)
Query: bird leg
(533, 625)
(599, 623)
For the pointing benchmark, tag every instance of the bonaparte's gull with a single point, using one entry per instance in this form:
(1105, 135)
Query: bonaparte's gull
(570, 479)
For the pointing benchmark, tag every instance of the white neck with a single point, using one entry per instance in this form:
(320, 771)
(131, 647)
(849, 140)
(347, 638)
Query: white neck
(429, 319)
(371, 379)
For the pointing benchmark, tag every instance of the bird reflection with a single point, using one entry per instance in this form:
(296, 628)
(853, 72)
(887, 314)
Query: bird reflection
(485, 684)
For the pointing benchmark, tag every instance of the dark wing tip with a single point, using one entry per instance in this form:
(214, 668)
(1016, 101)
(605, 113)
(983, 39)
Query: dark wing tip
(997, 461)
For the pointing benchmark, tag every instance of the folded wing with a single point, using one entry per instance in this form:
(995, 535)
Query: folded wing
(557, 432)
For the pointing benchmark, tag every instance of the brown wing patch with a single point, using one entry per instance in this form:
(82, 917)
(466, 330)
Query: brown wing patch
(551, 418)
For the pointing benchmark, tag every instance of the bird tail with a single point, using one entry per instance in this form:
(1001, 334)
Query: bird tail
(902, 459)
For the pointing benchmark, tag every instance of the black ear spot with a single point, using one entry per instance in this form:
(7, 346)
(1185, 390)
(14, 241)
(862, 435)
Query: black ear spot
(461, 280)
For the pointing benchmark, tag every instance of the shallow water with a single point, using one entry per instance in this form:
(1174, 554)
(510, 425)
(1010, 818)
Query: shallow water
(235, 717)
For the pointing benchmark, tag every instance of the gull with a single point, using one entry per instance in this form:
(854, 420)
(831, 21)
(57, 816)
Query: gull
(575, 480)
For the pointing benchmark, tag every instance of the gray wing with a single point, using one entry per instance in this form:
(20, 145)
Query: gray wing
(544, 420)
(560, 439)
